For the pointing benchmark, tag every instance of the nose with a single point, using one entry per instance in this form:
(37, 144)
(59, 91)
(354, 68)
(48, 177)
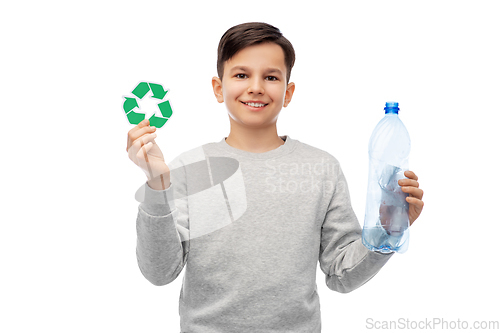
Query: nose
(256, 86)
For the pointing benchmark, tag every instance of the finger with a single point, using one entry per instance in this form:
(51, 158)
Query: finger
(146, 138)
(139, 143)
(416, 202)
(142, 154)
(141, 132)
(132, 133)
(144, 150)
(142, 124)
(142, 157)
(414, 191)
(411, 175)
(132, 137)
(408, 182)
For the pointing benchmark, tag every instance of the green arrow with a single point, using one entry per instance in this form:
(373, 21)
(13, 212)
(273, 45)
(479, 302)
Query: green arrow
(135, 118)
(129, 104)
(165, 109)
(157, 90)
(157, 121)
(141, 90)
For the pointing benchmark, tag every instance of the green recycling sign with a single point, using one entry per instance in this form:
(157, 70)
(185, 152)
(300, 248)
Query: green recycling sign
(133, 112)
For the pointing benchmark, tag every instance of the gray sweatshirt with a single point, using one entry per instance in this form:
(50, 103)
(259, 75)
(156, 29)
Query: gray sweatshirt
(250, 229)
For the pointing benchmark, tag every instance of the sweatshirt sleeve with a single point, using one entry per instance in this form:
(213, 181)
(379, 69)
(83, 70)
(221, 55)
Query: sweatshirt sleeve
(346, 262)
(161, 251)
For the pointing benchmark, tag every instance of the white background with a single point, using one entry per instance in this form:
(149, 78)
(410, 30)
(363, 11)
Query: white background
(68, 208)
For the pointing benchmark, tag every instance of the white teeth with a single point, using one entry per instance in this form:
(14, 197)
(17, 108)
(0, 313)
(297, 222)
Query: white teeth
(255, 105)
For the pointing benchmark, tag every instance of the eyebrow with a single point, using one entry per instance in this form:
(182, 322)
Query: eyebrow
(274, 70)
(246, 69)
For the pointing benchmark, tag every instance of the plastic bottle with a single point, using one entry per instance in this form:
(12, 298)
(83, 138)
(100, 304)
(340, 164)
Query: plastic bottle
(386, 227)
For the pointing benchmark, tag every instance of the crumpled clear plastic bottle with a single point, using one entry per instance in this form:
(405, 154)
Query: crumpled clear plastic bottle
(386, 226)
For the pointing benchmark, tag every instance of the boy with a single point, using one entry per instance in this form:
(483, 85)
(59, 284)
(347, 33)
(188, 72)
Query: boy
(251, 215)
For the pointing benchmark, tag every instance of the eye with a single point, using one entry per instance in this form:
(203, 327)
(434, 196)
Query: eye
(272, 78)
(241, 76)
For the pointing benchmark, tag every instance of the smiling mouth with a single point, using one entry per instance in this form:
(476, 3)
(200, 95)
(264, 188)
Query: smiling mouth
(255, 105)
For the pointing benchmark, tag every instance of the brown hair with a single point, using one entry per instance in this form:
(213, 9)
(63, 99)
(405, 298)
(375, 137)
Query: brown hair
(252, 33)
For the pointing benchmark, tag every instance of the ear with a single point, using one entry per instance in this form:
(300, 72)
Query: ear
(289, 93)
(217, 86)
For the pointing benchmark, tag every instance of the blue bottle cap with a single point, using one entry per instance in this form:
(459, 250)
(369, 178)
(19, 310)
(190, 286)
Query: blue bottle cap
(391, 107)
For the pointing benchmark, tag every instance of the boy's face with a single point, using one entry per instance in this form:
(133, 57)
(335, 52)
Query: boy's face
(255, 75)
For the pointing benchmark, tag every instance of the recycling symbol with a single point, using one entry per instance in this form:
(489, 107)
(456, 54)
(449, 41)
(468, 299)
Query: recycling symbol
(132, 110)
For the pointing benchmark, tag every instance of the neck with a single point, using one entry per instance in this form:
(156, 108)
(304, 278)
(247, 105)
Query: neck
(255, 140)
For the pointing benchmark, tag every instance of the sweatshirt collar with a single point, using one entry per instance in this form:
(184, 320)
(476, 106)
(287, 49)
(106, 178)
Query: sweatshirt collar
(285, 148)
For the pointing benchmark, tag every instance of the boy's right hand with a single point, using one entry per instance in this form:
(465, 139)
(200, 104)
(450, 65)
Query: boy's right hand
(144, 152)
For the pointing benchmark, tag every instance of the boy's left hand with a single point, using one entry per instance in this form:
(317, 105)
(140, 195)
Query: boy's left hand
(410, 186)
